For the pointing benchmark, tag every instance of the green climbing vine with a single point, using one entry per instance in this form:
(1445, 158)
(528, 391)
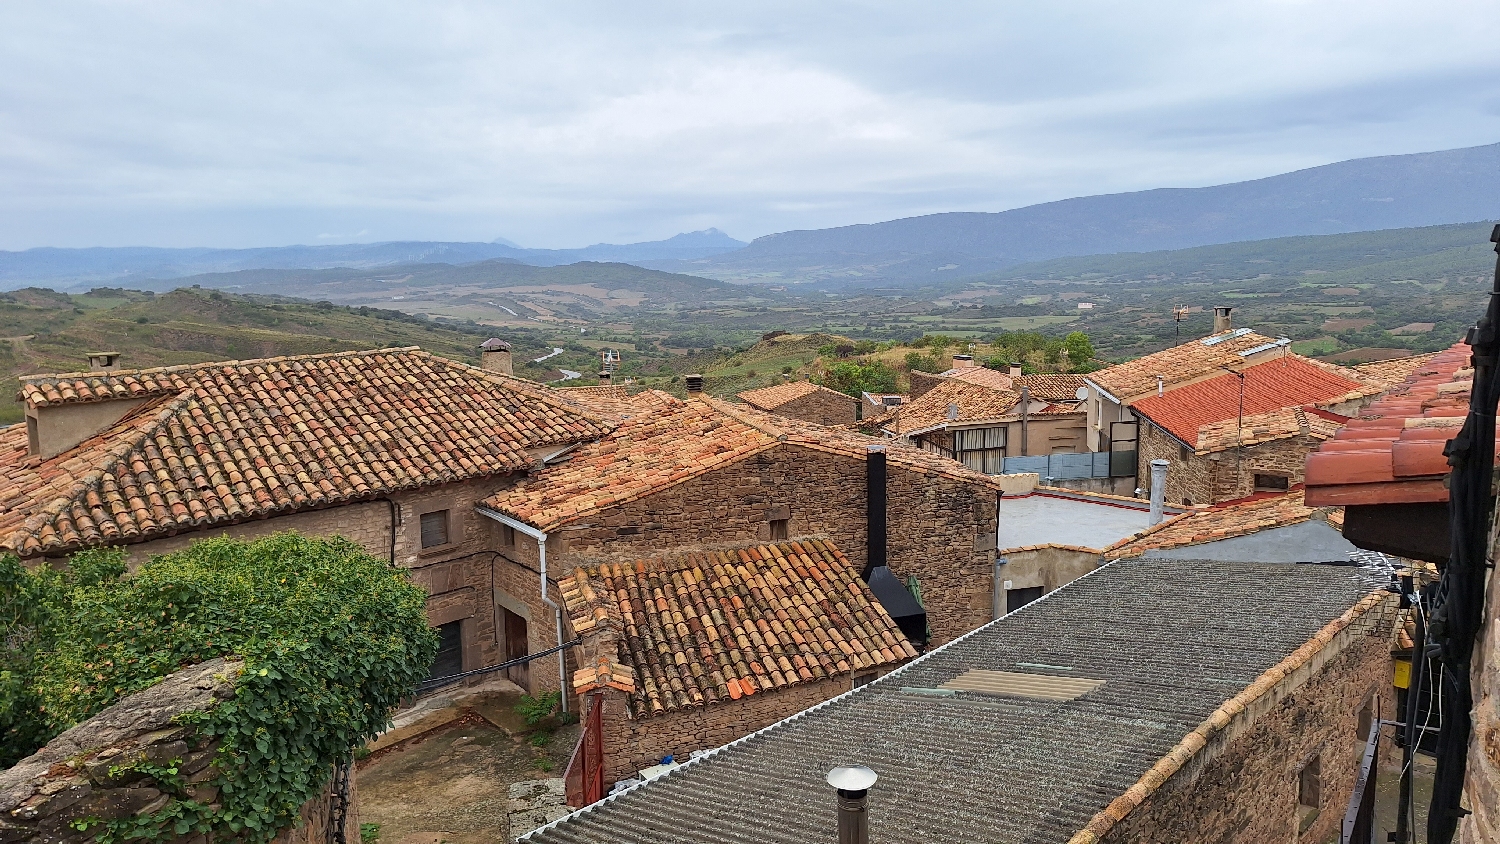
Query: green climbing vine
(331, 637)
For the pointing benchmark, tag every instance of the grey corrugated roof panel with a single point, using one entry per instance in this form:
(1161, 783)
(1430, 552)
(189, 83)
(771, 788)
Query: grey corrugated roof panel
(1172, 640)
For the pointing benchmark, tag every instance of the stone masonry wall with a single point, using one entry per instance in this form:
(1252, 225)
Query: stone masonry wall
(1047, 566)
(1224, 475)
(85, 772)
(1244, 790)
(821, 407)
(631, 744)
(1482, 779)
(939, 529)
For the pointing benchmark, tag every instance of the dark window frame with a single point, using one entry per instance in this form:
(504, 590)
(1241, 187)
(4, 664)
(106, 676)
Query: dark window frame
(1277, 483)
(780, 529)
(446, 517)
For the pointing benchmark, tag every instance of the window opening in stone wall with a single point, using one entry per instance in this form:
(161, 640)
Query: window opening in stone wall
(779, 528)
(864, 679)
(1272, 483)
(1017, 598)
(450, 653)
(434, 529)
(1309, 792)
(507, 535)
(1183, 453)
(981, 449)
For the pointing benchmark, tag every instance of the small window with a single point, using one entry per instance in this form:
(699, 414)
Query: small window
(435, 529)
(1271, 483)
(507, 535)
(1183, 453)
(864, 679)
(1309, 793)
(779, 528)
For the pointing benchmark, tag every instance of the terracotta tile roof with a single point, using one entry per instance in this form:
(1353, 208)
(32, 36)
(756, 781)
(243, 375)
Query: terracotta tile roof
(1393, 451)
(1190, 360)
(1266, 427)
(1054, 387)
(1393, 372)
(716, 625)
(617, 392)
(241, 440)
(981, 375)
(1221, 521)
(669, 441)
(976, 403)
(1283, 382)
(776, 395)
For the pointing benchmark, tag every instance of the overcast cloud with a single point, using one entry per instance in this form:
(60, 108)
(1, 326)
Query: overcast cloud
(561, 124)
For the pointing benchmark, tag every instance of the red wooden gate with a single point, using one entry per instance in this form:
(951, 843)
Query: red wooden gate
(585, 774)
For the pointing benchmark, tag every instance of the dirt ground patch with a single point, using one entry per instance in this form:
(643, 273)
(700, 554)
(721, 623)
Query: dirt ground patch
(452, 784)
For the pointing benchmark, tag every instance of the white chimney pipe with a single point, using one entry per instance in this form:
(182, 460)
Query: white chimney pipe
(1158, 489)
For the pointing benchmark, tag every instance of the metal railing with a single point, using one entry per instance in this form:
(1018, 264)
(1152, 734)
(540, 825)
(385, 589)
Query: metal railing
(1088, 464)
(448, 680)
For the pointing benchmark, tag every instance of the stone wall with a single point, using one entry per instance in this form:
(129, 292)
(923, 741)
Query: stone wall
(1242, 787)
(631, 744)
(823, 407)
(1221, 476)
(459, 576)
(922, 382)
(939, 529)
(85, 773)
(1482, 778)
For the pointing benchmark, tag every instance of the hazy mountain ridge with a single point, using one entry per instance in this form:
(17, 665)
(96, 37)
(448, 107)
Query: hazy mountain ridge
(1387, 192)
(84, 267)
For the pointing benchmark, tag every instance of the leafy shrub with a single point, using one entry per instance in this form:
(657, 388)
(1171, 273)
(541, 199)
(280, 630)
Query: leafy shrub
(854, 377)
(533, 710)
(331, 637)
(369, 833)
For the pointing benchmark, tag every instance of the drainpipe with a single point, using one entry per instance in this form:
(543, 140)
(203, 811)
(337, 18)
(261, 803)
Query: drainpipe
(1025, 414)
(1158, 489)
(541, 558)
(875, 533)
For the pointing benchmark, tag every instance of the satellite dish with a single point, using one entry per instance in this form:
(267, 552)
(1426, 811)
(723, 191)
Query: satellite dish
(1082, 394)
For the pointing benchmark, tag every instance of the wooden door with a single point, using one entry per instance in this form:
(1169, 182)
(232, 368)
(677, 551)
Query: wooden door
(516, 646)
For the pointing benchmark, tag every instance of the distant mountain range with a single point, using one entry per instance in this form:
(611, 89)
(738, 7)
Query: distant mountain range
(1388, 192)
(1365, 194)
(121, 266)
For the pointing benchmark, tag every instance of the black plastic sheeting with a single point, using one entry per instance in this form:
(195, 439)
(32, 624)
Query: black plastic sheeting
(898, 601)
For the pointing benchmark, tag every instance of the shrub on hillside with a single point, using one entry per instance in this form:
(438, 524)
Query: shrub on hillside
(857, 376)
(331, 637)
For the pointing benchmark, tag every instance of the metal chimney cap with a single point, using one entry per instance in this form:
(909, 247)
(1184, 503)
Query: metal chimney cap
(852, 778)
(495, 344)
(1160, 463)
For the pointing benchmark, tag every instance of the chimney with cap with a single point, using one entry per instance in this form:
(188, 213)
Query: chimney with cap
(1158, 490)
(853, 788)
(1221, 318)
(604, 378)
(104, 361)
(694, 383)
(962, 361)
(494, 356)
(1015, 370)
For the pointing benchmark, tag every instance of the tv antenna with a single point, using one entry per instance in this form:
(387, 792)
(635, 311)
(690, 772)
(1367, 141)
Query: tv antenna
(1179, 313)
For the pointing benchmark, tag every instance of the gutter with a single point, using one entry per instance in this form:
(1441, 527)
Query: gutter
(541, 556)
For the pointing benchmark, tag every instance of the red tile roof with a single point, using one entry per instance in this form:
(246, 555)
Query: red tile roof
(1393, 452)
(1392, 372)
(1190, 360)
(1283, 382)
(667, 441)
(1266, 427)
(230, 441)
(982, 375)
(973, 403)
(776, 395)
(713, 626)
(1222, 521)
(1053, 387)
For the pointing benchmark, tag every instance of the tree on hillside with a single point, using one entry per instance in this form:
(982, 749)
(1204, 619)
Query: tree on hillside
(1080, 350)
(860, 376)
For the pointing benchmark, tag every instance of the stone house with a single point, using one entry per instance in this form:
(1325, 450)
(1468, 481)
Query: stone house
(980, 426)
(804, 400)
(1246, 430)
(687, 474)
(1189, 701)
(690, 652)
(389, 448)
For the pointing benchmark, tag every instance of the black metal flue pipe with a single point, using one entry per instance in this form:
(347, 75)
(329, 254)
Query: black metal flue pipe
(874, 510)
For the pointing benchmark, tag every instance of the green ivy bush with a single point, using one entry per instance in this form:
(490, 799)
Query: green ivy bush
(331, 637)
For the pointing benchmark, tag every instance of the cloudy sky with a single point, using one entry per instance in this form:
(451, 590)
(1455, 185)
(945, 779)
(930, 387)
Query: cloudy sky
(560, 124)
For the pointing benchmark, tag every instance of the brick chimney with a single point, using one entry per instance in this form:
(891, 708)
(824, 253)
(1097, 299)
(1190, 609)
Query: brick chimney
(604, 379)
(962, 361)
(1015, 370)
(494, 356)
(1221, 319)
